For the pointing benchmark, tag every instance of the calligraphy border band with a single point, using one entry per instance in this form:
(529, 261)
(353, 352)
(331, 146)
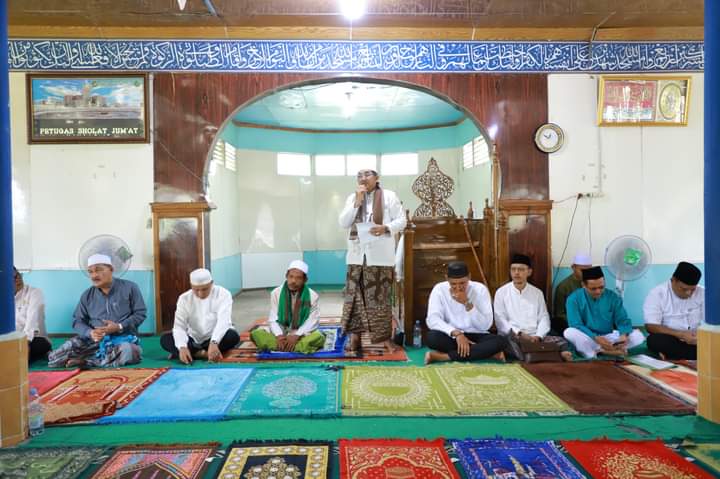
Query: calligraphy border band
(354, 56)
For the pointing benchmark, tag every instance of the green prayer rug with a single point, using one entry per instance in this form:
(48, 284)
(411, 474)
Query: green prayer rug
(288, 392)
(504, 389)
(708, 454)
(46, 463)
(475, 390)
(398, 391)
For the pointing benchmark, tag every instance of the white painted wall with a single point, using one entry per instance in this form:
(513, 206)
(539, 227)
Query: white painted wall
(651, 178)
(68, 193)
(224, 225)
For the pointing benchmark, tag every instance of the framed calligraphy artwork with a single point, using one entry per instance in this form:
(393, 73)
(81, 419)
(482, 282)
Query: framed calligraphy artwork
(87, 108)
(643, 100)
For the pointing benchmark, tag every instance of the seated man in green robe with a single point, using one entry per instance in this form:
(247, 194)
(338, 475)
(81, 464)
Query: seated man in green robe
(294, 316)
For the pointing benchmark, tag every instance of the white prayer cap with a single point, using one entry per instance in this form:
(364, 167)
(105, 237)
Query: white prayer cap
(99, 259)
(583, 259)
(298, 264)
(200, 277)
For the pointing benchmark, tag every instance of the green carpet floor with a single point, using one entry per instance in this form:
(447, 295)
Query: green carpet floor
(531, 428)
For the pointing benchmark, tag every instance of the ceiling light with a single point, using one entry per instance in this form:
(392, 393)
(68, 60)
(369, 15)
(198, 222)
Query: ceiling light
(353, 9)
(181, 4)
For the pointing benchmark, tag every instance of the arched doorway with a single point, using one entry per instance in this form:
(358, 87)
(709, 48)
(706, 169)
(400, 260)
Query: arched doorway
(190, 109)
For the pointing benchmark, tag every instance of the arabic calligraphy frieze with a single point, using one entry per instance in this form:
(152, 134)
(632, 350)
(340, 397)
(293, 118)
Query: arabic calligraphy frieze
(360, 56)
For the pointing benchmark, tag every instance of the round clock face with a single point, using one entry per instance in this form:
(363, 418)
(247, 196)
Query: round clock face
(549, 138)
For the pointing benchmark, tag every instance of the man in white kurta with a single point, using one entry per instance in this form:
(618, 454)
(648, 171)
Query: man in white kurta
(459, 318)
(203, 326)
(370, 260)
(294, 316)
(30, 317)
(673, 311)
(521, 314)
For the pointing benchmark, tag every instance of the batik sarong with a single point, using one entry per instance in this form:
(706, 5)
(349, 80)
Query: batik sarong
(111, 352)
(368, 301)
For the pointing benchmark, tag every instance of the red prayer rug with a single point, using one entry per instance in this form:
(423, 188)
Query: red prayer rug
(395, 459)
(605, 459)
(156, 462)
(44, 381)
(96, 393)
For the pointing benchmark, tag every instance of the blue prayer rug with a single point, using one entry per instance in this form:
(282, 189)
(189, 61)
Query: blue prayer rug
(334, 347)
(498, 458)
(185, 395)
(289, 392)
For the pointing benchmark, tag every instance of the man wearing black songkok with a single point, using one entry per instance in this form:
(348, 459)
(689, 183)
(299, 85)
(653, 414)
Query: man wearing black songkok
(673, 310)
(459, 317)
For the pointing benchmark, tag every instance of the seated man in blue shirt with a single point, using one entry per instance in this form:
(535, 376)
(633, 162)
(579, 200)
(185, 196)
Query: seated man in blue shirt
(597, 319)
(106, 321)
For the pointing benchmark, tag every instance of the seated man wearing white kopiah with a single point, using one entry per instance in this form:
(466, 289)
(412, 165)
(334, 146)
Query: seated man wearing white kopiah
(598, 322)
(294, 316)
(520, 311)
(106, 320)
(203, 326)
(459, 317)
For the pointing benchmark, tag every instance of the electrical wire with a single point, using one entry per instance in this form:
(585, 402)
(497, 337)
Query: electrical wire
(567, 241)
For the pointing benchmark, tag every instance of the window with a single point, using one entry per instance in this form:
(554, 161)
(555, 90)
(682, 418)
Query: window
(330, 165)
(230, 159)
(481, 152)
(399, 164)
(356, 163)
(293, 164)
(475, 152)
(218, 155)
(468, 155)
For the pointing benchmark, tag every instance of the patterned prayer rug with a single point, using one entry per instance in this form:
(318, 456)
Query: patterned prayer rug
(487, 389)
(605, 459)
(281, 460)
(156, 462)
(709, 454)
(599, 387)
(288, 392)
(498, 458)
(498, 389)
(185, 395)
(96, 393)
(44, 381)
(679, 381)
(399, 391)
(46, 463)
(399, 458)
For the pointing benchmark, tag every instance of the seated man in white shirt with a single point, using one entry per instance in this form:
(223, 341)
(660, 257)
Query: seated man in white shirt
(294, 316)
(203, 326)
(459, 318)
(673, 311)
(520, 311)
(30, 318)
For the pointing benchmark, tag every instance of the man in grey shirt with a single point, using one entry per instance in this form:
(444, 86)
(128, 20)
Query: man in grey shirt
(106, 320)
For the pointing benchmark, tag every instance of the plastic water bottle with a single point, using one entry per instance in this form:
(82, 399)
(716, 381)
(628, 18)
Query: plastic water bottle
(36, 418)
(417, 335)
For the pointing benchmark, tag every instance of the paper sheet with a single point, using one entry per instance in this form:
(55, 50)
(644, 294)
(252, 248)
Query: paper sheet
(364, 234)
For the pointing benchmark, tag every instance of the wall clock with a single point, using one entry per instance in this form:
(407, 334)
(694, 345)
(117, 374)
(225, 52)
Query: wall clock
(549, 138)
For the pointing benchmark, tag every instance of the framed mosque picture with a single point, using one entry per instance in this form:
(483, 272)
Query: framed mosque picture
(87, 108)
(643, 100)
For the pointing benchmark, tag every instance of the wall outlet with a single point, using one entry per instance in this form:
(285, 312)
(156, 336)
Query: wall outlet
(591, 194)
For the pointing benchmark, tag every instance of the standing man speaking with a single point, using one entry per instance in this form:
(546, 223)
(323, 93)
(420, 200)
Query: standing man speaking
(373, 216)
